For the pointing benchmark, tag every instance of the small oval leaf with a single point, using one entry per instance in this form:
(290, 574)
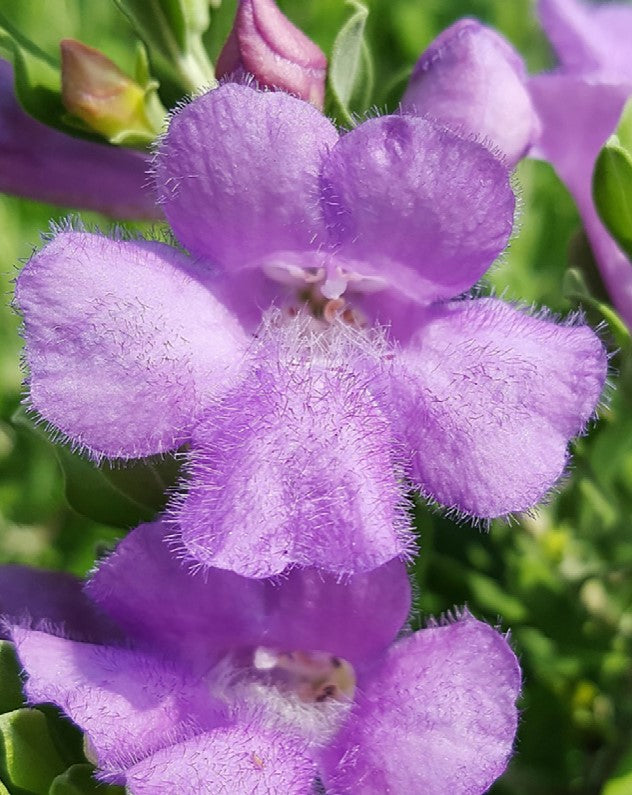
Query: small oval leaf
(120, 494)
(351, 67)
(612, 182)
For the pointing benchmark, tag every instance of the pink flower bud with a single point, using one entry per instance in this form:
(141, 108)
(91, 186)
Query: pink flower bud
(473, 81)
(96, 91)
(264, 43)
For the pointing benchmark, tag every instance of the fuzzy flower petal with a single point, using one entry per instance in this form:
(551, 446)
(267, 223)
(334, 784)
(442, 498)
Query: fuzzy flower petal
(203, 616)
(124, 344)
(40, 163)
(438, 716)
(238, 174)
(229, 760)
(129, 704)
(411, 202)
(51, 598)
(299, 457)
(489, 399)
(591, 36)
(473, 81)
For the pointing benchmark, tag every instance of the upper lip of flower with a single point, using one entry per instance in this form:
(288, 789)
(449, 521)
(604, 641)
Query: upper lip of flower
(398, 198)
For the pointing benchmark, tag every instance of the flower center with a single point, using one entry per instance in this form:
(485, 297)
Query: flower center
(328, 310)
(315, 677)
(320, 272)
(308, 693)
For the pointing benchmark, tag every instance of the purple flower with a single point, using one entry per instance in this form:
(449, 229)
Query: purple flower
(472, 80)
(579, 105)
(265, 44)
(40, 163)
(227, 684)
(303, 438)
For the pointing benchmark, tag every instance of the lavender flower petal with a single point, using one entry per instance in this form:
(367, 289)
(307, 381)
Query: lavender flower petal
(40, 163)
(411, 202)
(129, 704)
(124, 343)
(202, 617)
(490, 398)
(238, 175)
(578, 114)
(299, 457)
(473, 81)
(235, 759)
(590, 37)
(37, 597)
(438, 716)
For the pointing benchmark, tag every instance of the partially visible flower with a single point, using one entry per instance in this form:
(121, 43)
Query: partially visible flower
(37, 162)
(264, 43)
(96, 91)
(579, 105)
(303, 441)
(231, 685)
(472, 80)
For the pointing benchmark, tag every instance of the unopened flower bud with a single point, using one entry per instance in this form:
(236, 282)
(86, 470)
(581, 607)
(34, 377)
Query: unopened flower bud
(264, 43)
(96, 91)
(473, 81)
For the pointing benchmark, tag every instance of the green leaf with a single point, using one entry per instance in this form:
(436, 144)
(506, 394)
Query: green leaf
(172, 31)
(37, 77)
(612, 182)
(37, 81)
(575, 288)
(351, 73)
(79, 780)
(10, 683)
(621, 781)
(28, 756)
(120, 495)
(66, 736)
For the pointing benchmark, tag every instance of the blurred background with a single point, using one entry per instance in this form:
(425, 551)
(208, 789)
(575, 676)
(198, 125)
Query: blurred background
(560, 579)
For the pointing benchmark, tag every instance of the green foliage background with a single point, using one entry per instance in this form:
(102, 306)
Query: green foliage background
(561, 579)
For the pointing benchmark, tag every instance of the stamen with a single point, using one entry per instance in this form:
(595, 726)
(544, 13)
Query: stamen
(315, 677)
(332, 309)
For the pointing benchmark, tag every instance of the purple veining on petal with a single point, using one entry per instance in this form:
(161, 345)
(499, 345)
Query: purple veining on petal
(128, 703)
